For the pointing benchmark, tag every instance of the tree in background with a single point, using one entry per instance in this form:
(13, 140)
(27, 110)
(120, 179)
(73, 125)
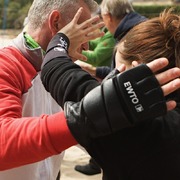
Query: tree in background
(15, 12)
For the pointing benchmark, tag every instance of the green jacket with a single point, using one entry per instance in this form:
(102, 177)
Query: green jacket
(101, 50)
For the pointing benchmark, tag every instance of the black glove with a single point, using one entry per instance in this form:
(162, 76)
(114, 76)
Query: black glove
(120, 102)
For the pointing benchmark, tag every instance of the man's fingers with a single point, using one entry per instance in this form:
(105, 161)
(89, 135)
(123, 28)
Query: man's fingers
(92, 32)
(93, 27)
(168, 75)
(93, 35)
(170, 105)
(169, 79)
(121, 68)
(77, 55)
(77, 15)
(171, 87)
(90, 22)
(157, 64)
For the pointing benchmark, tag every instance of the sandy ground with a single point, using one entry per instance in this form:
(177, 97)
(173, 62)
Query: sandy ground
(6, 37)
(74, 156)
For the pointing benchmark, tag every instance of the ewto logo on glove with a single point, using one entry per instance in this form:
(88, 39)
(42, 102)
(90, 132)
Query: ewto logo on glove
(141, 94)
(133, 97)
(139, 108)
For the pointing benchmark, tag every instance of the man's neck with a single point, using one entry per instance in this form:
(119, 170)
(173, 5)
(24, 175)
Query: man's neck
(40, 37)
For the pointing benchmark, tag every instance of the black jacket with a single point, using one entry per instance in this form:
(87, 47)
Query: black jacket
(128, 22)
(148, 151)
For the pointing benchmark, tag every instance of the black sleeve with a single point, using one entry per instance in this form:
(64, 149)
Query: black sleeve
(65, 80)
(103, 71)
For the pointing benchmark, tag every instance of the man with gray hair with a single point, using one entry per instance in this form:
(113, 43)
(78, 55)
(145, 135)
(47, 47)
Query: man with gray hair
(119, 17)
(26, 108)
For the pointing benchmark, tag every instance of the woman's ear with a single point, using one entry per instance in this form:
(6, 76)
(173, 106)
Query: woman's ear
(54, 21)
(135, 63)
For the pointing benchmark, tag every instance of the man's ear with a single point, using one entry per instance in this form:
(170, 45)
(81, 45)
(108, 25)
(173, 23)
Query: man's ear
(109, 17)
(135, 63)
(54, 21)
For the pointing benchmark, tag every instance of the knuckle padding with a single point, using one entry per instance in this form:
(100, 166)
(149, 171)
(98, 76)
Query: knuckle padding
(125, 99)
(141, 94)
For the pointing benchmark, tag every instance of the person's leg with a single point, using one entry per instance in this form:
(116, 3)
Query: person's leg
(58, 176)
(91, 168)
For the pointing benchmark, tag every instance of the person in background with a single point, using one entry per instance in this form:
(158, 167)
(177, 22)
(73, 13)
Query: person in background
(26, 108)
(119, 17)
(149, 149)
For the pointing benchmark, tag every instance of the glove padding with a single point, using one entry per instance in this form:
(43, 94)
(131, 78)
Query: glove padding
(120, 102)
